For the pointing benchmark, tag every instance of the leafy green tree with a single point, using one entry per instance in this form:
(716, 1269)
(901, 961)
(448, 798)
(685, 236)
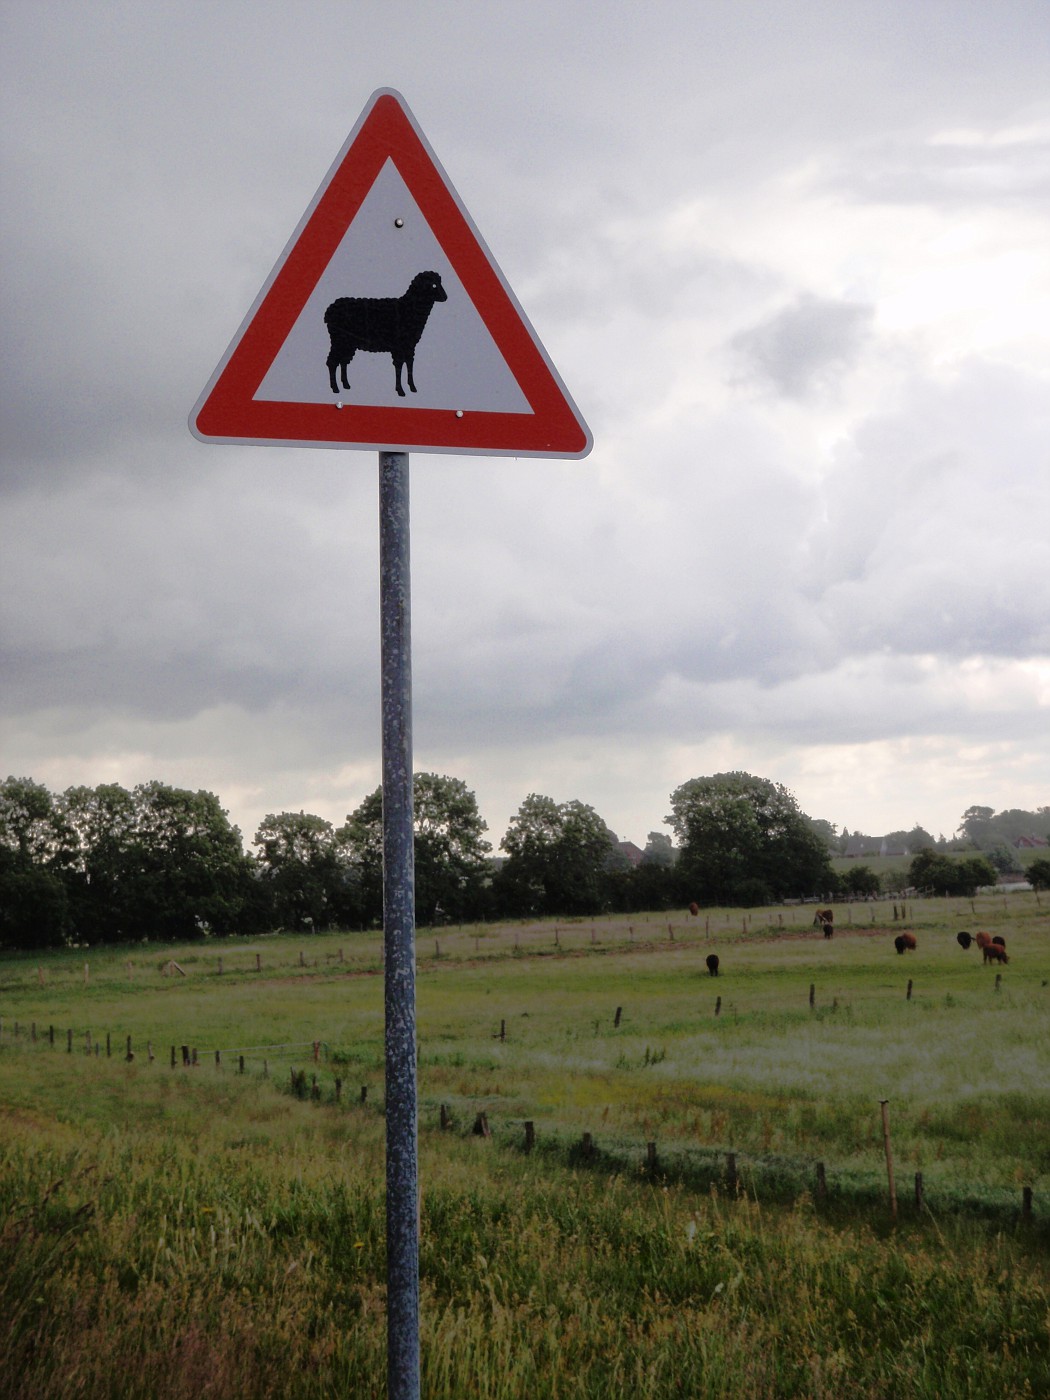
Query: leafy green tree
(827, 831)
(102, 830)
(1038, 874)
(450, 852)
(1004, 858)
(745, 840)
(301, 867)
(34, 904)
(861, 881)
(976, 824)
(939, 874)
(560, 858)
(190, 875)
(659, 850)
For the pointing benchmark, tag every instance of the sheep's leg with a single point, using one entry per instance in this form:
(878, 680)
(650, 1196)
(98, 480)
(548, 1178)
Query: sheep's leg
(338, 359)
(410, 361)
(399, 361)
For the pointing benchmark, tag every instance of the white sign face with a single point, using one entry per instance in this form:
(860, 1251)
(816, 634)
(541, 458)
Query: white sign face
(386, 323)
(457, 363)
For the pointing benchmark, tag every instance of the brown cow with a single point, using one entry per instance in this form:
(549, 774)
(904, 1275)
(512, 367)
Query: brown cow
(694, 909)
(905, 942)
(995, 952)
(982, 939)
(712, 964)
(825, 918)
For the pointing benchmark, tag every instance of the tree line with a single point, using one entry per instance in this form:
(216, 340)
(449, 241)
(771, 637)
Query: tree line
(113, 865)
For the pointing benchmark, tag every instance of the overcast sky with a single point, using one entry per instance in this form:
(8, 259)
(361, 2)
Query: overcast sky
(792, 261)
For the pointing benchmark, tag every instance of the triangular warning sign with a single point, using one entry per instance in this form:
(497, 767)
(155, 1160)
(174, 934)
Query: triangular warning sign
(387, 324)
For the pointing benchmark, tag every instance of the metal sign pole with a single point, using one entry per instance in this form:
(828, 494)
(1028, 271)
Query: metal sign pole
(402, 1172)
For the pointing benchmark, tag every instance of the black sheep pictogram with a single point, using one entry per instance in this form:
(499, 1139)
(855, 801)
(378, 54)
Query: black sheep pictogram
(391, 325)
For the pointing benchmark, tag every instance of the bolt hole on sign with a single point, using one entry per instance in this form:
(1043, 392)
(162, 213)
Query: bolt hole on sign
(387, 325)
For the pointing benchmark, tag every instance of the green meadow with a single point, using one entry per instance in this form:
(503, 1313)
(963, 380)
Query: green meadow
(699, 1204)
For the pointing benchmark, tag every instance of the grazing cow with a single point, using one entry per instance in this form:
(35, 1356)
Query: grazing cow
(964, 939)
(825, 918)
(694, 909)
(982, 939)
(905, 942)
(712, 964)
(994, 952)
(391, 325)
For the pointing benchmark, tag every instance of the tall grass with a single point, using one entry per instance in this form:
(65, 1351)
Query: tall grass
(188, 1232)
(136, 1265)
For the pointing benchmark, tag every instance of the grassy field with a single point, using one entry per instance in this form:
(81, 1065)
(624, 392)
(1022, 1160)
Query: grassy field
(170, 1232)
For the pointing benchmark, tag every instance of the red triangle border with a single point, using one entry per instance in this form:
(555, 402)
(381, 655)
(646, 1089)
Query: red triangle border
(227, 411)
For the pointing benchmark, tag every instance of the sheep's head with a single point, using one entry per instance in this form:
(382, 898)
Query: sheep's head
(427, 286)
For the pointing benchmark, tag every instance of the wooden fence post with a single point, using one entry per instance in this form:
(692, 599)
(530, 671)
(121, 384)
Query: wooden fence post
(444, 1118)
(822, 1182)
(812, 993)
(129, 1054)
(258, 962)
(338, 1089)
(1026, 1204)
(718, 1006)
(908, 997)
(731, 1176)
(69, 1042)
(889, 1156)
(587, 1146)
(364, 1092)
(650, 1156)
(918, 1190)
(108, 1049)
(530, 1135)
(616, 1018)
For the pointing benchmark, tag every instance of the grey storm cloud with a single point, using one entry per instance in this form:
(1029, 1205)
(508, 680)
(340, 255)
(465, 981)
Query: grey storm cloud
(805, 345)
(822, 559)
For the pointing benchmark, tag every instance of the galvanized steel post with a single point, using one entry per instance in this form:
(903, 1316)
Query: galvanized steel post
(402, 1186)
